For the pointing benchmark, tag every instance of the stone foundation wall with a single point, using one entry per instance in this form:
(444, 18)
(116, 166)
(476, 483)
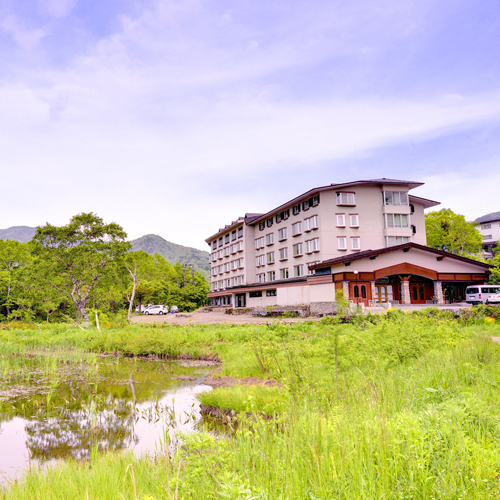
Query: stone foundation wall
(322, 308)
(302, 310)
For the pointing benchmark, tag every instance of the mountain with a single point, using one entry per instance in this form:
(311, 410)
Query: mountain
(192, 257)
(23, 234)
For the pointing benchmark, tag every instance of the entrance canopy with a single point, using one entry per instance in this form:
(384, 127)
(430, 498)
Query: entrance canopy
(408, 273)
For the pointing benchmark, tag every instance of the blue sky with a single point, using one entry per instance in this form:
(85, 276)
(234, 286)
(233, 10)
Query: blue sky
(175, 117)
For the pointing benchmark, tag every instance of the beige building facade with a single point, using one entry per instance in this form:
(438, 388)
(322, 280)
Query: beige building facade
(295, 254)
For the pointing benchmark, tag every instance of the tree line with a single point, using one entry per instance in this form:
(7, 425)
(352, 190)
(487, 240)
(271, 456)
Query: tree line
(66, 271)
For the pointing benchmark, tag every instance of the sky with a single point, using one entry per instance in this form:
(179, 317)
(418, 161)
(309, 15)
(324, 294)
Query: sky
(174, 117)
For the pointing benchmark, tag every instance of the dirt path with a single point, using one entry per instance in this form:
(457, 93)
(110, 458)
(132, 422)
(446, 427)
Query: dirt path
(213, 318)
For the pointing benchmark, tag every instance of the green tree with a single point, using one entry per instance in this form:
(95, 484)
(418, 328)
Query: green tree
(450, 232)
(76, 256)
(12, 255)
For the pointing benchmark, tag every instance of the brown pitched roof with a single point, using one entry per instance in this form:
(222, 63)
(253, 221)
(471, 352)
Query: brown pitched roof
(330, 187)
(405, 246)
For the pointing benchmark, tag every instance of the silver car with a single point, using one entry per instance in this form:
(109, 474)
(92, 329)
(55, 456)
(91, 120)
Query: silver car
(156, 310)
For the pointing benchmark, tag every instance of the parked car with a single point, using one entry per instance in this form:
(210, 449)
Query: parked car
(477, 294)
(493, 299)
(143, 308)
(174, 309)
(156, 310)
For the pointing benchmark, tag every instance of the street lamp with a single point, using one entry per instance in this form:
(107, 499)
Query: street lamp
(356, 286)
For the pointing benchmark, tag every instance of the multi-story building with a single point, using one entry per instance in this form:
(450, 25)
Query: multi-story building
(287, 255)
(489, 227)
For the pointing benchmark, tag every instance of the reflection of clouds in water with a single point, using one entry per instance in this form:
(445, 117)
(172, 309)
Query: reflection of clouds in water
(186, 411)
(73, 434)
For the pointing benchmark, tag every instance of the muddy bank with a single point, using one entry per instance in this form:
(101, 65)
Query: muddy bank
(230, 382)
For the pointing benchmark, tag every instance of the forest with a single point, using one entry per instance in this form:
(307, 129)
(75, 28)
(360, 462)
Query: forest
(65, 272)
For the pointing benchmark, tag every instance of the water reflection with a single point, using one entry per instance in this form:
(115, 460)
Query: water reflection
(116, 405)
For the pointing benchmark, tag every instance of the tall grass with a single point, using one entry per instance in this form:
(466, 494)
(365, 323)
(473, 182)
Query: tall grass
(416, 416)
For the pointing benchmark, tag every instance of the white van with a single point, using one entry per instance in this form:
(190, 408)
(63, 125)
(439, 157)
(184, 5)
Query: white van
(478, 294)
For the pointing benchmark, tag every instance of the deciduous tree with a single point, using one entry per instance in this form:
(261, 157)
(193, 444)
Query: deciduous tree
(74, 257)
(450, 232)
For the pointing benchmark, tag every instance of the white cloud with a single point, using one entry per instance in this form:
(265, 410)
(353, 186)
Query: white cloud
(57, 8)
(23, 36)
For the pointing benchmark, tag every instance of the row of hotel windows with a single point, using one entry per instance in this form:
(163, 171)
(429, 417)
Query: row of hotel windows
(219, 285)
(224, 240)
(307, 225)
(285, 214)
(284, 274)
(232, 249)
(353, 220)
(226, 267)
(487, 226)
(297, 251)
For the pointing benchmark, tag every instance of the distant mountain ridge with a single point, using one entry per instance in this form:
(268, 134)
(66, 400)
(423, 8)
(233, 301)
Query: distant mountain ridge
(150, 243)
(191, 257)
(23, 234)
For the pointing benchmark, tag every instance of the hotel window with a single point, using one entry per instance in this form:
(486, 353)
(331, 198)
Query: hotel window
(395, 198)
(296, 228)
(298, 250)
(232, 248)
(296, 209)
(269, 239)
(226, 239)
(312, 245)
(354, 220)
(233, 235)
(310, 272)
(271, 293)
(284, 273)
(239, 263)
(487, 237)
(239, 246)
(298, 271)
(283, 253)
(260, 260)
(259, 243)
(311, 223)
(271, 276)
(278, 218)
(227, 267)
(269, 222)
(221, 242)
(228, 282)
(214, 244)
(397, 240)
(240, 232)
(340, 220)
(486, 226)
(270, 258)
(341, 243)
(255, 294)
(344, 198)
(260, 278)
(286, 214)
(262, 226)
(282, 234)
(233, 265)
(227, 251)
(397, 220)
(356, 243)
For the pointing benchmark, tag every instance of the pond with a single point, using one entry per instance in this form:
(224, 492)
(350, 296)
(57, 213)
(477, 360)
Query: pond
(71, 406)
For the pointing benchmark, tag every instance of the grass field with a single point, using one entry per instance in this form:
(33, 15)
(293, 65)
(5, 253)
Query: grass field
(394, 407)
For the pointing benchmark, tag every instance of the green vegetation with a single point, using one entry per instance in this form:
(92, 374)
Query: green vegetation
(415, 415)
(450, 232)
(66, 272)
